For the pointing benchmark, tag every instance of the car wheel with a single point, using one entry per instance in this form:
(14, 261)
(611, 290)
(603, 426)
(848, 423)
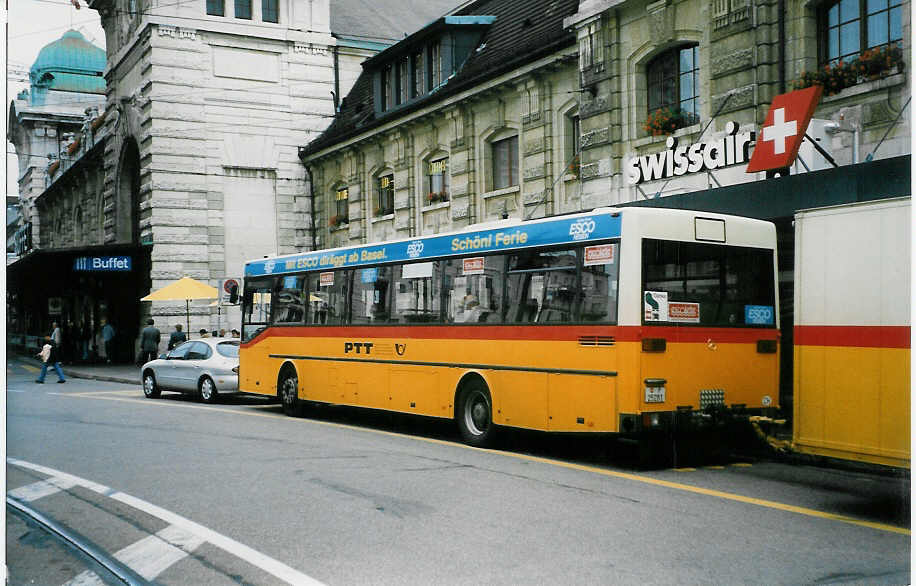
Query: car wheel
(207, 390)
(475, 414)
(288, 389)
(150, 388)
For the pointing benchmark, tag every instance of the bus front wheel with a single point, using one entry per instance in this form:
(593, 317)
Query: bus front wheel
(288, 389)
(475, 414)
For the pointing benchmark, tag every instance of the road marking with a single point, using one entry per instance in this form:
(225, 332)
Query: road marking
(30, 368)
(183, 528)
(41, 489)
(150, 556)
(688, 469)
(14, 391)
(559, 463)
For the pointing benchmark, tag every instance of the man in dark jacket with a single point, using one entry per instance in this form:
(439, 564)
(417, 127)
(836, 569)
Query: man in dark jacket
(53, 360)
(149, 342)
(177, 337)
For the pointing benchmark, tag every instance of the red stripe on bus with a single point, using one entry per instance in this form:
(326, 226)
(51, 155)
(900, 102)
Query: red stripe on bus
(527, 332)
(855, 336)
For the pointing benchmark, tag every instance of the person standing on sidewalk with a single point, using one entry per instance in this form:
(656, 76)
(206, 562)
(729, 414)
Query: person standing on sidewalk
(108, 334)
(176, 337)
(51, 356)
(149, 342)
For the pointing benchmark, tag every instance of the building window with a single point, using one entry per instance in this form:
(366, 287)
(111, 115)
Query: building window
(573, 144)
(591, 48)
(437, 181)
(216, 7)
(341, 208)
(270, 11)
(243, 9)
(673, 80)
(417, 75)
(505, 163)
(849, 27)
(403, 79)
(386, 88)
(435, 66)
(385, 196)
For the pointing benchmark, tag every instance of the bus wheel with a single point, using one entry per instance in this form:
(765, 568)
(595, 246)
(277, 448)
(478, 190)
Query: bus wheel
(288, 389)
(475, 414)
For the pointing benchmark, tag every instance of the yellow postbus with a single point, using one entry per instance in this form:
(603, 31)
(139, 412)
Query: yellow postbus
(621, 320)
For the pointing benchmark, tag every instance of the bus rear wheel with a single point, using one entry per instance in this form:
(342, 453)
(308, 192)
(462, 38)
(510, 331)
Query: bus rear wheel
(288, 389)
(474, 414)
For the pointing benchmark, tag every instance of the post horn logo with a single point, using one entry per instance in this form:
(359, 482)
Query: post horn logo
(400, 349)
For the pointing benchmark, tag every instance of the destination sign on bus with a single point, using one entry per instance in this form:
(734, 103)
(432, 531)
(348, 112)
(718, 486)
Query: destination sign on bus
(557, 231)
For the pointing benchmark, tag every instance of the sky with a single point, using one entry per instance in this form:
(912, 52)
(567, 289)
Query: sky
(32, 24)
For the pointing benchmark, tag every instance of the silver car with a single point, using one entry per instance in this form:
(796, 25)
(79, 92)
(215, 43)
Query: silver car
(207, 368)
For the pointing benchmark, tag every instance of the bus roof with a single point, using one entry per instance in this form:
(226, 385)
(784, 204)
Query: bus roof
(597, 225)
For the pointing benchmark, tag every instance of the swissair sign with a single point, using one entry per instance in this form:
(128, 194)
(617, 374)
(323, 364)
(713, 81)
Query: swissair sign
(784, 129)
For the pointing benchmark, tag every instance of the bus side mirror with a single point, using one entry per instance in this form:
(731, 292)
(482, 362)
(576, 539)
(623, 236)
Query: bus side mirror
(233, 294)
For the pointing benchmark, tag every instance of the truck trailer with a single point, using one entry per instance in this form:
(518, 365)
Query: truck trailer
(852, 332)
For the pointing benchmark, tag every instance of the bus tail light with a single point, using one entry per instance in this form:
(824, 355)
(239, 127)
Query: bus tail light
(766, 346)
(651, 420)
(654, 344)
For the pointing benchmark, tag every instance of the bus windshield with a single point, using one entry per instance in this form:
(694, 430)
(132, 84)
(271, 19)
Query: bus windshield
(688, 283)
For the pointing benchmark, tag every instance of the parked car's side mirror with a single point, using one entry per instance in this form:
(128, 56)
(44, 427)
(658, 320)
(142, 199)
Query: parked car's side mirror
(164, 355)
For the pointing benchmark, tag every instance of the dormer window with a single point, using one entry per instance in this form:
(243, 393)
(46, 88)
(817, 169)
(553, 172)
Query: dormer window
(435, 70)
(403, 80)
(386, 89)
(417, 75)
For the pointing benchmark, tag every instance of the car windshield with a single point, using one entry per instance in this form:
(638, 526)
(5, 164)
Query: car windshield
(228, 349)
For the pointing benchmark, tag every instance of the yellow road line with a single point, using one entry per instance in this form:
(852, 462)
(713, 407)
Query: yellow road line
(30, 368)
(559, 463)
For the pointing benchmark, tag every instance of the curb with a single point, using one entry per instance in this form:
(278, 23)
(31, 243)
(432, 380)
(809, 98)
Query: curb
(69, 372)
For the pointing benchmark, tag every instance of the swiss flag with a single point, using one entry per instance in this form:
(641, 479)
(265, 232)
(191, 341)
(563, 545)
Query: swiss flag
(784, 129)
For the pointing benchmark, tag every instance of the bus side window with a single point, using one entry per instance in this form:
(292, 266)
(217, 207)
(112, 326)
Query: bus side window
(416, 293)
(328, 293)
(371, 289)
(599, 288)
(475, 289)
(542, 286)
(289, 301)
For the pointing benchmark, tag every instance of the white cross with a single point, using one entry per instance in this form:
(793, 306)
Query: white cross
(780, 130)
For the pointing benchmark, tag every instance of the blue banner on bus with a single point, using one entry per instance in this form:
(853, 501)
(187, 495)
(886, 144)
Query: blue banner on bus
(569, 230)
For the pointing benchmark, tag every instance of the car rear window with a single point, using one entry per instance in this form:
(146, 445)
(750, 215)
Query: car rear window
(228, 349)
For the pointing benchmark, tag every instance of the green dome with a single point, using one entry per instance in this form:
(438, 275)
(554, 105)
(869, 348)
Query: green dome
(71, 63)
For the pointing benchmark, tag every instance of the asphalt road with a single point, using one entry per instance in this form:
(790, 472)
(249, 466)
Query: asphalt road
(236, 493)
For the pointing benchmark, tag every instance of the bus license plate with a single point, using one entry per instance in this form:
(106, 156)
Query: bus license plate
(655, 394)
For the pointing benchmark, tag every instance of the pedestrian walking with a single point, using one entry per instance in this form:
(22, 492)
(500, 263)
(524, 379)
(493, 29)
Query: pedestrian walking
(149, 341)
(176, 337)
(108, 335)
(50, 355)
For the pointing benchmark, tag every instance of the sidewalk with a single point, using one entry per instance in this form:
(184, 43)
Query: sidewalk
(116, 373)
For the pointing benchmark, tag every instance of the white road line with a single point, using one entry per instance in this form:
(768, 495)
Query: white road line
(14, 391)
(150, 556)
(253, 557)
(40, 489)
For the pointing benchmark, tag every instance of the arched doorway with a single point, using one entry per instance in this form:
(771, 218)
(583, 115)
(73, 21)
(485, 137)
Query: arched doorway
(127, 225)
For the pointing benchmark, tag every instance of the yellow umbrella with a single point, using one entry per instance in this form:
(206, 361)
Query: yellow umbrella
(184, 288)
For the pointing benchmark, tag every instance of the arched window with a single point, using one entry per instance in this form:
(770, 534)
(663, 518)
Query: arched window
(340, 210)
(673, 83)
(384, 194)
(436, 180)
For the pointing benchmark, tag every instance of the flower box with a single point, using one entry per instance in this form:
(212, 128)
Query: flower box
(872, 64)
(666, 120)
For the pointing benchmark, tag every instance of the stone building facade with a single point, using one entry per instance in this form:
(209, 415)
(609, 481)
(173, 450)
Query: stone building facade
(188, 165)
(581, 112)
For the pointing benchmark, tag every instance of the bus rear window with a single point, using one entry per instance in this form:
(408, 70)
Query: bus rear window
(688, 283)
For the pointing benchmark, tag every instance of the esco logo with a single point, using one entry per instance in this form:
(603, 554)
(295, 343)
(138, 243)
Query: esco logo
(581, 228)
(269, 266)
(758, 314)
(414, 249)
